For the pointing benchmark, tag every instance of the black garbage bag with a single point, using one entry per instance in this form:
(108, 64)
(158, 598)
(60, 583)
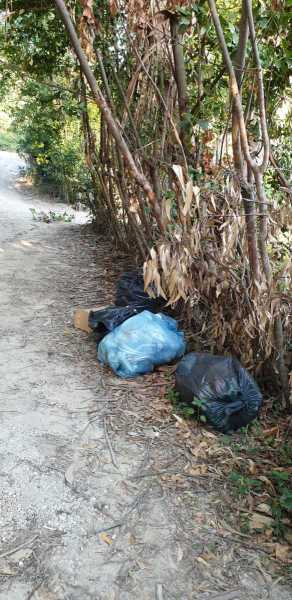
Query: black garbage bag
(225, 392)
(130, 289)
(105, 320)
(130, 300)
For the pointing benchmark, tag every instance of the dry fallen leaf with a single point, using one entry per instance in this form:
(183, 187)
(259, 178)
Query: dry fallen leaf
(6, 570)
(45, 594)
(21, 555)
(264, 508)
(260, 522)
(179, 419)
(208, 556)
(271, 431)
(69, 475)
(210, 435)
(288, 536)
(282, 552)
(198, 470)
(269, 533)
(202, 561)
(174, 480)
(180, 554)
(106, 538)
(281, 469)
(89, 446)
(267, 481)
(132, 539)
(252, 467)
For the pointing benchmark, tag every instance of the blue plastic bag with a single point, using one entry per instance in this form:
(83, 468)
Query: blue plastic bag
(140, 343)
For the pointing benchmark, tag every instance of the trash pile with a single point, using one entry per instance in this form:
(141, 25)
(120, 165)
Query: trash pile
(130, 300)
(134, 336)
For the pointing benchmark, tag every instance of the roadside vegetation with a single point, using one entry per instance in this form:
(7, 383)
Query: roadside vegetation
(171, 122)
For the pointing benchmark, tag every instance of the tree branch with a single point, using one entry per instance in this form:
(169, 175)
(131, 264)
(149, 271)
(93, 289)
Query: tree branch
(107, 113)
(261, 91)
(234, 89)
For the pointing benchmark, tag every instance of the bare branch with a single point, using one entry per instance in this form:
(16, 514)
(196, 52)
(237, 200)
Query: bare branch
(261, 91)
(234, 89)
(239, 59)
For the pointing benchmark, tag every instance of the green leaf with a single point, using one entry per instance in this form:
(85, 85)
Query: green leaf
(286, 500)
(280, 476)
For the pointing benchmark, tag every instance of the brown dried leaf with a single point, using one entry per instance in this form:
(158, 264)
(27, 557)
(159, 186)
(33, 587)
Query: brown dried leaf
(288, 536)
(260, 522)
(132, 539)
(271, 431)
(113, 7)
(69, 475)
(167, 206)
(148, 274)
(179, 173)
(105, 538)
(198, 470)
(282, 553)
(6, 570)
(264, 508)
(188, 198)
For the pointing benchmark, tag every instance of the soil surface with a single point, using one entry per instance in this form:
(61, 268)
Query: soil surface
(97, 499)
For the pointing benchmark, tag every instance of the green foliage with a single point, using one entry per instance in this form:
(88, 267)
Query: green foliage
(199, 409)
(51, 216)
(8, 140)
(34, 48)
(194, 410)
(8, 137)
(48, 125)
(184, 410)
(46, 110)
(243, 484)
(34, 42)
(281, 480)
(275, 486)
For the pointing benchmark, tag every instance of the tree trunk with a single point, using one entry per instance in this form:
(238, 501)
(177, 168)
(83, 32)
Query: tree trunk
(179, 65)
(240, 165)
(247, 194)
(263, 225)
(180, 77)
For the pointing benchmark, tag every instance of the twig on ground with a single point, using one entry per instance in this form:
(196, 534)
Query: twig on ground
(159, 592)
(34, 590)
(24, 545)
(227, 595)
(149, 473)
(125, 516)
(109, 445)
(113, 526)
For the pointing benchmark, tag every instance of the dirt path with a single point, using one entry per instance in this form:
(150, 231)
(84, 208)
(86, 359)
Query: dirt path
(91, 506)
